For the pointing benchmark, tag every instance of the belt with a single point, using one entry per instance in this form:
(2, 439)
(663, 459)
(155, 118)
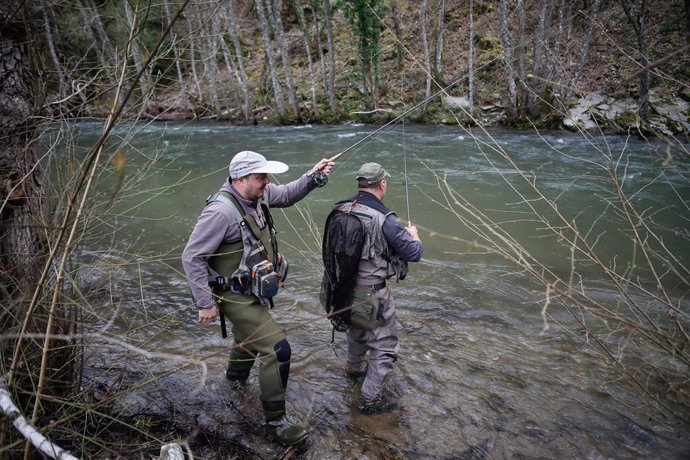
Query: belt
(378, 287)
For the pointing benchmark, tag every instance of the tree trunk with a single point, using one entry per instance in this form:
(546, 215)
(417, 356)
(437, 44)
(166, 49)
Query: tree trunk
(540, 56)
(331, 56)
(210, 63)
(176, 51)
(554, 73)
(144, 82)
(687, 21)
(310, 67)
(399, 49)
(51, 48)
(243, 78)
(106, 53)
(584, 51)
(191, 19)
(438, 51)
(232, 70)
(319, 46)
(637, 20)
(275, 8)
(266, 33)
(470, 60)
(23, 242)
(522, 90)
(427, 57)
(508, 58)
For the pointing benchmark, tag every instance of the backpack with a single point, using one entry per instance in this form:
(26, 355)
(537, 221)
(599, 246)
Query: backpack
(343, 239)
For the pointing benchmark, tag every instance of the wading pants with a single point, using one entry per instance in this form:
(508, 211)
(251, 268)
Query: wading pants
(382, 344)
(257, 336)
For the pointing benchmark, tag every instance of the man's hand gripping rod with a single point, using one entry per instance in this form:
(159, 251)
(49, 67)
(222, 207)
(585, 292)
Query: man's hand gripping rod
(320, 177)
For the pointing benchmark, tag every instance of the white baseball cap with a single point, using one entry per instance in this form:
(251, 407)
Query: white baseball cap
(248, 162)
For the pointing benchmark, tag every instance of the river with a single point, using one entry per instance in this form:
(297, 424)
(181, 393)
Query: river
(485, 370)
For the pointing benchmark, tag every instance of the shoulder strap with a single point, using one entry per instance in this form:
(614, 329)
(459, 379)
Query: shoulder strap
(246, 222)
(248, 225)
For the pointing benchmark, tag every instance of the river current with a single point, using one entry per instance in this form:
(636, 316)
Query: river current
(485, 370)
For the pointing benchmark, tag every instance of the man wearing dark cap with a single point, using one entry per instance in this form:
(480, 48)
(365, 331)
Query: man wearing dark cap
(232, 263)
(388, 246)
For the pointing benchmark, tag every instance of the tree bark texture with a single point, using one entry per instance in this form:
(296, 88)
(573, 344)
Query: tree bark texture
(520, 49)
(268, 43)
(637, 20)
(275, 7)
(243, 79)
(144, 81)
(508, 58)
(470, 59)
(310, 66)
(175, 47)
(438, 51)
(22, 243)
(425, 48)
(540, 56)
(48, 30)
(331, 56)
(584, 51)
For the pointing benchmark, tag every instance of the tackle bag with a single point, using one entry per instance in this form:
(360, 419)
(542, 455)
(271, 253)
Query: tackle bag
(343, 239)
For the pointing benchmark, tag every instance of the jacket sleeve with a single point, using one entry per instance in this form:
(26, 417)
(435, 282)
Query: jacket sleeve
(209, 232)
(282, 196)
(400, 240)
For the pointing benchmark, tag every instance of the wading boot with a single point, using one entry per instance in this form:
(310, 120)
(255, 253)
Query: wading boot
(355, 374)
(280, 427)
(238, 380)
(377, 405)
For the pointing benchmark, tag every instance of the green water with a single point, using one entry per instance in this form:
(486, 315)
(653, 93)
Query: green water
(477, 368)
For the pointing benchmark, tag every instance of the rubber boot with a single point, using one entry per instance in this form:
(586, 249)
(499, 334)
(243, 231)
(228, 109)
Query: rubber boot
(355, 374)
(280, 426)
(239, 367)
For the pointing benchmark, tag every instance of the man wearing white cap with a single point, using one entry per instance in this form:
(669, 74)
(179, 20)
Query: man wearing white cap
(232, 263)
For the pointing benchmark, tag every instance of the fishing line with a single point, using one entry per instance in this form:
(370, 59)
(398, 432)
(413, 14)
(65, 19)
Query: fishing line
(407, 190)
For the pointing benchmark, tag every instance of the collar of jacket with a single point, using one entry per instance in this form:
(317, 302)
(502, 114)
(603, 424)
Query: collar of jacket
(368, 199)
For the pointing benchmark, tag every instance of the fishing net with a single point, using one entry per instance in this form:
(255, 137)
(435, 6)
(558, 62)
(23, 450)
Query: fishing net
(343, 239)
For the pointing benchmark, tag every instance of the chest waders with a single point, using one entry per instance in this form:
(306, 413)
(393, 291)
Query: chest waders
(243, 281)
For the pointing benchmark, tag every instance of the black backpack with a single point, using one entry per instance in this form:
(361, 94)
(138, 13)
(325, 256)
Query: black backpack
(343, 239)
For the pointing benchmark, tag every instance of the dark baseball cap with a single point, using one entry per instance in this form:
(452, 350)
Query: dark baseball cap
(371, 173)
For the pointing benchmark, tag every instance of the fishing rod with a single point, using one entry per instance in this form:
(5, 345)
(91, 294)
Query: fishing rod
(407, 190)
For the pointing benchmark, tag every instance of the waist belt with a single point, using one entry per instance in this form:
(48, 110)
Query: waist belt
(378, 287)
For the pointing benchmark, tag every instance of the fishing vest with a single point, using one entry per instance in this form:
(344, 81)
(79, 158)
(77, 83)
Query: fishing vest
(247, 266)
(376, 248)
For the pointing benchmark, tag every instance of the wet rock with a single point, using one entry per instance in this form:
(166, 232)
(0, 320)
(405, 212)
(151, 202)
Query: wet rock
(171, 451)
(456, 102)
(669, 115)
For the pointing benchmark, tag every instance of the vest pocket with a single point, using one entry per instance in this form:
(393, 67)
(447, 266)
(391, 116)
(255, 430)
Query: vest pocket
(365, 307)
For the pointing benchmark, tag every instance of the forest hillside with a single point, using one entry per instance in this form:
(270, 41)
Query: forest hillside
(509, 62)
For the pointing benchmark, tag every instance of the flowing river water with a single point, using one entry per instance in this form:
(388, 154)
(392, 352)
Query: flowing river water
(479, 374)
